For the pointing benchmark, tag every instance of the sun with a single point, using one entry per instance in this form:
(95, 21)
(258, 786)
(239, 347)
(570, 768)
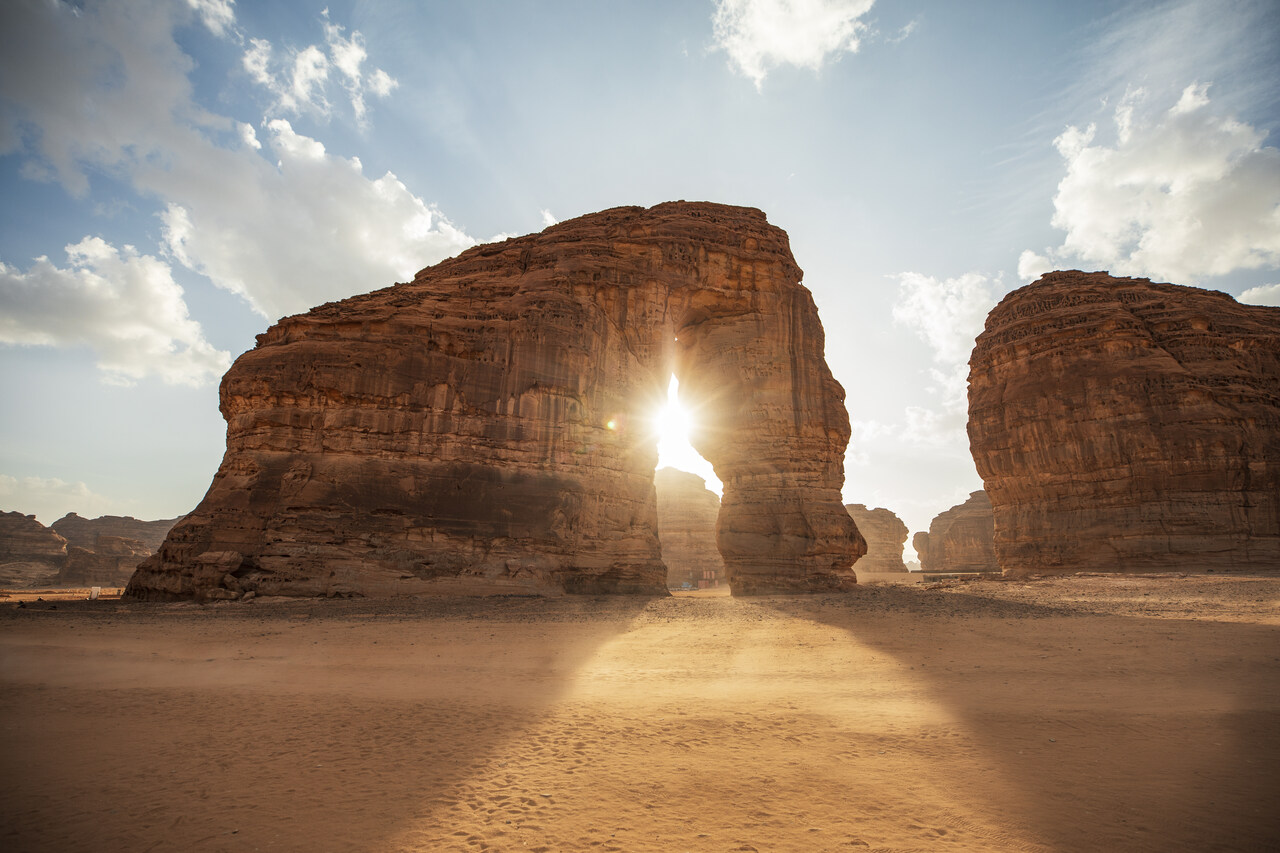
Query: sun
(672, 423)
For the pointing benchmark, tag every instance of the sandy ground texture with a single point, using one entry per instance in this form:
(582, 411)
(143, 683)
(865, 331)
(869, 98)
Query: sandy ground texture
(1079, 714)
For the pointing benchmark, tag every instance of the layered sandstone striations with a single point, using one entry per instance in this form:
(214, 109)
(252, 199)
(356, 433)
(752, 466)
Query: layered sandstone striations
(885, 534)
(84, 532)
(687, 512)
(483, 427)
(960, 539)
(30, 553)
(1124, 425)
(111, 562)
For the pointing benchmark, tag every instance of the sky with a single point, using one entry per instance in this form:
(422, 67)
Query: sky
(175, 175)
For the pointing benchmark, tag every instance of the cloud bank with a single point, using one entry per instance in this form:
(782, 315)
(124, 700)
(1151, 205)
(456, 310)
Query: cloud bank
(49, 499)
(759, 35)
(1178, 195)
(124, 306)
(105, 89)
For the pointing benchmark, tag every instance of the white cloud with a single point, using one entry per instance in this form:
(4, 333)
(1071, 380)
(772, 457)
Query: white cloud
(547, 219)
(1180, 195)
(948, 315)
(280, 221)
(126, 307)
(298, 78)
(1032, 265)
(760, 35)
(49, 499)
(1263, 294)
(218, 15)
(306, 229)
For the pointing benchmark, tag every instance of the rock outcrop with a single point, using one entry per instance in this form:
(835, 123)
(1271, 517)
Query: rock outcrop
(111, 562)
(481, 428)
(84, 532)
(885, 534)
(30, 553)
(1124, 425)
(687, 512)
(960, 539)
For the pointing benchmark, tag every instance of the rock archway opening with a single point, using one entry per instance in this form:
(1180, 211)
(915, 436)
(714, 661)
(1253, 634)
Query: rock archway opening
(688, 497)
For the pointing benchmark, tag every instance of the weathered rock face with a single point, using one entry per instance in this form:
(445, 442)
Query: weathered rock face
(30, 553)
(687, 512)
(885, 534)
(960, 539)
(1122, 425)
(111, 562)
(84, 532)
(482, 427)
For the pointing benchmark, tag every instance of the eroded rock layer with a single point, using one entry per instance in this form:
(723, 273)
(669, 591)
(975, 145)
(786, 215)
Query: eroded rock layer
(960, 539)
(484, 427)
(1124, 425)
(111, 562)
(30, 553)
(885, 534)
(687, 512)
(84, 532)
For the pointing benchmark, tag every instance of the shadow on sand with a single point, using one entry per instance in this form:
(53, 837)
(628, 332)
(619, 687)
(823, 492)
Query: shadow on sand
(323, 726)
(1092, 731)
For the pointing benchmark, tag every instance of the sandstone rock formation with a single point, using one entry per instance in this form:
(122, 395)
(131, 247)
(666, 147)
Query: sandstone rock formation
(960, 539)
(885, 534)
(687, 512)
(111, 562)
(84, 532)
(482, 427)
(1124, 425)
(30, 553)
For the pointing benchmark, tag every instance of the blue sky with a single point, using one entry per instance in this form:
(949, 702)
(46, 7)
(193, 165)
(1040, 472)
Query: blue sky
(177, 175)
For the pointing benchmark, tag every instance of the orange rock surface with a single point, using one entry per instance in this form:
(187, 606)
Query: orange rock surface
(960, 539)
(687, 512)
(885, 534)
(483, 427)
(84, 532)
(1124, 425)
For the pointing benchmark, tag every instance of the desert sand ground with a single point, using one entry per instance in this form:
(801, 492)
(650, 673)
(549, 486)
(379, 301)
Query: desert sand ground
(1089, 714)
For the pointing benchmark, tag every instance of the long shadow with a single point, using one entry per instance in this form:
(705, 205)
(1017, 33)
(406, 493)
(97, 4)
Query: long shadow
(1105, 732)
(318, 725)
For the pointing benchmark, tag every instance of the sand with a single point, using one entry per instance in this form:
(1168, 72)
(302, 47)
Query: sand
(1077, 714)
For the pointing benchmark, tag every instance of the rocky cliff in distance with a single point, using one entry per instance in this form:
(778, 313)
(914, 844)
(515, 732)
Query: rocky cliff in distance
(30, 553)
(687, 512)
(111, 562)
(885, 534)
(1124, 425)
(960, 539)
(482, 428)
(84, 532)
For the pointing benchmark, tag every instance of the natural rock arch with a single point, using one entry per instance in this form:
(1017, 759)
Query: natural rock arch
(484, 427)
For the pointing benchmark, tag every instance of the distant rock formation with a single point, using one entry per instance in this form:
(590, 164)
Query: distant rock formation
(687, 512)
(481, 428)
(30, 553)
(1122, 425)
(111, 562)
(885, 534)
(84, 532)
(960, 539)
